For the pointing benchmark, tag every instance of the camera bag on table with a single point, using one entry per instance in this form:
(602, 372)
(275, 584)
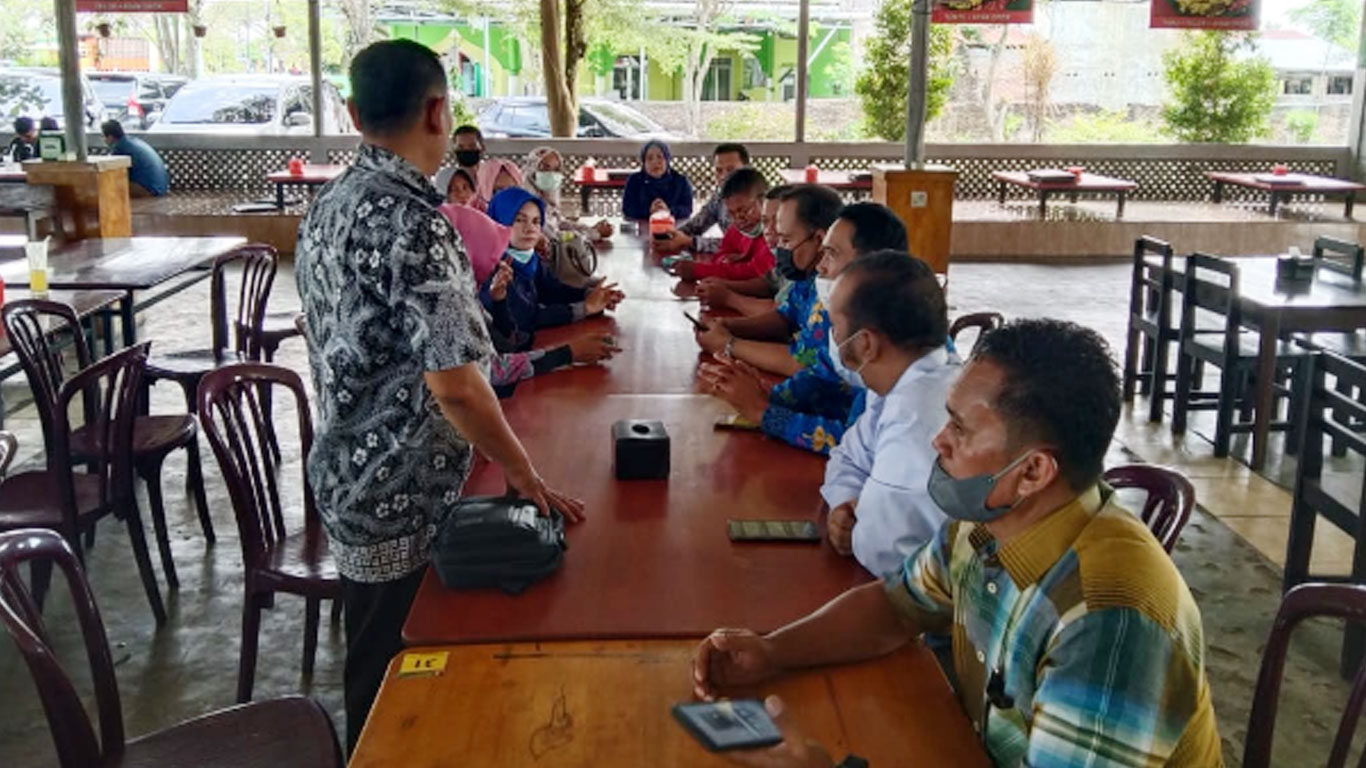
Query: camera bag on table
(498, 541)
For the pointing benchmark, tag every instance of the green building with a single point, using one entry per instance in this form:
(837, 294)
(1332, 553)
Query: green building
(486, 58)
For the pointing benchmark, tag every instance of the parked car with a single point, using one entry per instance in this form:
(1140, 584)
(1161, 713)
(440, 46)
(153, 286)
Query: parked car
(256, 105)
(132, 97)
(37, 93)
(529, 117)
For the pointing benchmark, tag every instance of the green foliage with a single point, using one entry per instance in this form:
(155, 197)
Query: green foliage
(460, 113)
(752, 122)
(883, 85)
(1012, 124)
(1337, 21)
(1301, 125)
(1103, 128)
(1217, 94)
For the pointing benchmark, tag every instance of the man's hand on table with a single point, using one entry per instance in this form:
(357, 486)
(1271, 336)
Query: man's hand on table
(684, 269)
(729, 658)
(714, 338)
(593, 348)
(528, 485)
(840, 528)
(602, 297)
(795, 750)
(715, 293)
(737, 384)
(676, 242)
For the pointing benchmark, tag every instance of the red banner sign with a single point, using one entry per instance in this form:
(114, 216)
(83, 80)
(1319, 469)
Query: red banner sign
(983, 12)
(132, 6)
(1205, 14)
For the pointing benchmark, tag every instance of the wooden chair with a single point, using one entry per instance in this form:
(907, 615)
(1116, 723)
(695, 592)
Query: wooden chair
(1328, 416)
(9, 447)
(70, 502)
(275, 559)
(1151, 330)
(1338, 255)
(276, 330)
(1339, 601)
(284, 732)
(1210, 288)
(984, 322)
(1171, 498)
(39, 331)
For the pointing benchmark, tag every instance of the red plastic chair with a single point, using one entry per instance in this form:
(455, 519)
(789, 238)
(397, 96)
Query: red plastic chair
(232, 408)
(292, 731)
(1341, 601)
(1171, 498)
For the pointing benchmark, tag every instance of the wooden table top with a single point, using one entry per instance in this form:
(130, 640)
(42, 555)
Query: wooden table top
(1306, 182)
(653, 559)
(1088, 182)
(1258, 284)
(607, 704)
(312, 174)
(126, 263)
(603, 177)
(832, 179)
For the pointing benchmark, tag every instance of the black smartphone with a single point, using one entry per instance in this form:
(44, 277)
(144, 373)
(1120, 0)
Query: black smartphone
(695, 322)
(726, 725)
(773, 530)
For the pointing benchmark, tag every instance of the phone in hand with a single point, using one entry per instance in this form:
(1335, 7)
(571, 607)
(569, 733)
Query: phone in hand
(736, 422)
(730, 724)
(696, 324)
(773, 530)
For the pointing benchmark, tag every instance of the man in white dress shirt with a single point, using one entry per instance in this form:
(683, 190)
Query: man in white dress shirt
(888, 325)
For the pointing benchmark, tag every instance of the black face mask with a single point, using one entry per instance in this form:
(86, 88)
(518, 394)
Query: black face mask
(787, 267)
(468, 158)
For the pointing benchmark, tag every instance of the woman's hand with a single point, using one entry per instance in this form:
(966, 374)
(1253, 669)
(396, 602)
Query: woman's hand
(592, 349)
(498, 286)
(604, 229)
(601, 298)
(658, 205)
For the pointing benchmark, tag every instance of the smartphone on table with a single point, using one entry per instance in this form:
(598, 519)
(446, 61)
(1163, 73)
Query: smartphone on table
(730, 724)
(773, 530)
(697, 324)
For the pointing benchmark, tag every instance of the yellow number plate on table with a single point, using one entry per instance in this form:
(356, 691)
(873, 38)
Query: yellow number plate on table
(423, 663)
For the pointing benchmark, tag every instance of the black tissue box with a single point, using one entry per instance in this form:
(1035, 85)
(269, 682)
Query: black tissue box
(640, 449)
(1291, 269)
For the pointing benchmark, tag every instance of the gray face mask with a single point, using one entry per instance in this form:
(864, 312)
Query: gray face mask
(966, 499)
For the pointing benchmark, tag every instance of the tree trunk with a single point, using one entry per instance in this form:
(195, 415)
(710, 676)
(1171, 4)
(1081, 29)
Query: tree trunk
(559, 101)
(995, 116)
(575, 48)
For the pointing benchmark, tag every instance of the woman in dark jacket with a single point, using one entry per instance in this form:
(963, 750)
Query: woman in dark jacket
(527, 296)
(656, 185)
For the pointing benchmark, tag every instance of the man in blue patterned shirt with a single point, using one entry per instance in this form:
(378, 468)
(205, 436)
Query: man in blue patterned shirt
(1075, 640)
(399, 355)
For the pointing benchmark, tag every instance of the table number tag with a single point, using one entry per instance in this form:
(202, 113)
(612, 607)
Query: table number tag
(415, 664)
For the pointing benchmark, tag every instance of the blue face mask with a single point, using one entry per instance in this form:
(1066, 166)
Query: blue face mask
(966, 499)
(853, 378)
(521, 256)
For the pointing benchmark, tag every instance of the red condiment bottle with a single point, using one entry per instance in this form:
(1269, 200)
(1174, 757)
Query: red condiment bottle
(812, 173)
(296, 166)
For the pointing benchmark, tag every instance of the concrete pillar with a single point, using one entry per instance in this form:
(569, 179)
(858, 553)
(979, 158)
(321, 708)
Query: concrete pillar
(803, 41)
(69, 59)
(1356, 141)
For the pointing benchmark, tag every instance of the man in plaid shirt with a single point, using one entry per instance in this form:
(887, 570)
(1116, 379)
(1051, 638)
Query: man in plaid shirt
(1075, 640)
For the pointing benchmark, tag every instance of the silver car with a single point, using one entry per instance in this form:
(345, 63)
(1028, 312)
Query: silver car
(253, 105)
(36, 92)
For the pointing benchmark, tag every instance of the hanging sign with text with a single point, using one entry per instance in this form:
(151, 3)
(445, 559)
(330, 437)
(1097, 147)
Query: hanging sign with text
(132, 6)
(983, 12)
(1205, 14)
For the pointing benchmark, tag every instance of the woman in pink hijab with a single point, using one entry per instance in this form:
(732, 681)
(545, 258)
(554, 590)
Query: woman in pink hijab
(495, 175)
(485, 239)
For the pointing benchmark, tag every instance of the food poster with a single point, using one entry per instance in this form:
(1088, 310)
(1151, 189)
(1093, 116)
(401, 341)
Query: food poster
(983, 12)
(1205, 14)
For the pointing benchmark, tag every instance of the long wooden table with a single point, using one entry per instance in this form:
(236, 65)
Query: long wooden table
(1087, 183)
(311, 176)
(126, 265)
(606, 704)
(1331, 302)
(603, 178)
(1291, 184)
(844, 181)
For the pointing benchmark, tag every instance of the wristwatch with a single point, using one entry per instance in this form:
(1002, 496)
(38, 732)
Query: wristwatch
(729, 351)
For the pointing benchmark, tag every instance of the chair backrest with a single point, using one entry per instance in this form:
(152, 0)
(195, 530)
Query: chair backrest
(1339, 255)
(9, 447)
(1171, 498)
(1343, 601)
(41, 332)
(1212, 284)
(241, 333)
(244, 440)
(72, 732)
(983, 321)
(1150, 286)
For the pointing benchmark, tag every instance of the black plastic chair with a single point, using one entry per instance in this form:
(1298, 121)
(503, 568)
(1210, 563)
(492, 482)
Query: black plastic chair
(1170, 501)
(1306, 601)
(984, 322)
(1151, 331)
(292, 731)
(1211, 287)
(231, 403)
(1338, 255)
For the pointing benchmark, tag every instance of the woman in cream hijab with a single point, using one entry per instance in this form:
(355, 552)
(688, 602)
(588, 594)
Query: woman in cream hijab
(542, 175)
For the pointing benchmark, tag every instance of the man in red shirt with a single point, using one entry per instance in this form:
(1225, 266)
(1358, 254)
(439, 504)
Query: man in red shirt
(744, 253)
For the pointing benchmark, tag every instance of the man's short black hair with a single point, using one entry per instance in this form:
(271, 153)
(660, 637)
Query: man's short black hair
(778, 193)
(112, 129)
(49, 124)
(743, 181)
(23, 126)
(731, 146)
(391, 82)
(471, 130)
(1060, 389)
(817, 206)
(899, 296)
(876, 228)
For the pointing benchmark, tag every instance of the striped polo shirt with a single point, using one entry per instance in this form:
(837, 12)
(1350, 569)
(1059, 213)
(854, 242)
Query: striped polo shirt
(1075, 643)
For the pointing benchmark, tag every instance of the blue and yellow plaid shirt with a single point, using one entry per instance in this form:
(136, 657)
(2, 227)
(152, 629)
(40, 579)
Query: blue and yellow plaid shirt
(1075, 643)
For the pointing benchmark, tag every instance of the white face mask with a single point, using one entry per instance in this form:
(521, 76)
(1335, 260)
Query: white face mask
(824, 287)
(548, 180)
(853, 378)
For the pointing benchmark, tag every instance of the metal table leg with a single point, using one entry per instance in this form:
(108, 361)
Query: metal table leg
(1218, 195)
(128, 318)
(1275, 201)
(1351, 202)
(280, 195)
(1001, 194)
(1119, 212)
(1043, 205)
